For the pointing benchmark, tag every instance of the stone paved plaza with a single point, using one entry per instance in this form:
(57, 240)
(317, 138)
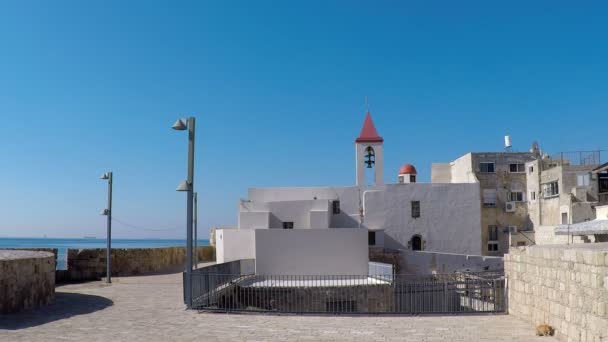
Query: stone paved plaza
(149, 308)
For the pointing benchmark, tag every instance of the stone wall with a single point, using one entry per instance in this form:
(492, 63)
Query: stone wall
(90, 264)
(27, 280)
(311, 299)
(565, 286)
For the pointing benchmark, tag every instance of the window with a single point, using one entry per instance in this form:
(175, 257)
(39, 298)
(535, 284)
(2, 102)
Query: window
(492, 233)
(521, 243)
(486, 167)
(532, 196)
(550, 189)
(517, 168)
(371, 238)
(287, 225)
(602, 179)
(401, 179)
(489, 197)
(415, 209)
(531, 169)
(492, 238)
(335, 207)
(516, 196)
(564, 218)
(582, 179)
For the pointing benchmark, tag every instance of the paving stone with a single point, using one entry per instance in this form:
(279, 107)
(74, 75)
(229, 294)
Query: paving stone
(150, 308)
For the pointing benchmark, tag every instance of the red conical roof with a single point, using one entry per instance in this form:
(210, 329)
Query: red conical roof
(368, 132)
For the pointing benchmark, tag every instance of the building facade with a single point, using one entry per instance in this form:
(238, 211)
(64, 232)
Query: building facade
(401, 215)
(501, 177)
(564, 190)
(526, 196)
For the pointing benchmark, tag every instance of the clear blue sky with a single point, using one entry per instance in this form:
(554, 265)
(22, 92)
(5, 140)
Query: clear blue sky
(278, 90)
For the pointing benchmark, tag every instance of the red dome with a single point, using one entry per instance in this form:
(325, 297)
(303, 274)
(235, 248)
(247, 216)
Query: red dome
(408, 169)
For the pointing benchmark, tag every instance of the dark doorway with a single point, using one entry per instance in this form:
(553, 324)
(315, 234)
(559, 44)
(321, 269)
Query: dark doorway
(416, 243)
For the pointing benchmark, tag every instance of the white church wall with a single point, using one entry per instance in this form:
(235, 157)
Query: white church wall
(234, 244)
(311, 251)
(449, 219)
(450, 213)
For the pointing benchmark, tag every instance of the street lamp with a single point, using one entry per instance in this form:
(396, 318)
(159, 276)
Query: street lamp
(108, 213)
(188, 186)
(195, 230)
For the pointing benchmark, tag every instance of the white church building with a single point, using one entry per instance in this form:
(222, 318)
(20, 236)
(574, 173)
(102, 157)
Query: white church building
(328, 230)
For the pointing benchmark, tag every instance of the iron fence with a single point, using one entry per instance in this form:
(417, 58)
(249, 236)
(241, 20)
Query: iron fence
(583, 158)
(343, 294)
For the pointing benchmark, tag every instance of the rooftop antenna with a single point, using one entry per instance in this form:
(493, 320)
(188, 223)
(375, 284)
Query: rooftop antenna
(535, 150)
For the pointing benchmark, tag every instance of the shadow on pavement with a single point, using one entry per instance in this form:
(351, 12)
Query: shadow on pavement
(66, 305)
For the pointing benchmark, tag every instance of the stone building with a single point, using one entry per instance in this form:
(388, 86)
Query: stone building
(502, 188)
(563, 190)
(526, 196)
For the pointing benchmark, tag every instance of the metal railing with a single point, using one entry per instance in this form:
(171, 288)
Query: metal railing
(582, 158)
(343, 294)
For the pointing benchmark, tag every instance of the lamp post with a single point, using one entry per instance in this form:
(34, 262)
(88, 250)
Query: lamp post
(196, 230)
(188, 186)
(108, 213)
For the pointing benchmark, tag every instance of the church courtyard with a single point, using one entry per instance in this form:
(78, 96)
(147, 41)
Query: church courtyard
(150, 308)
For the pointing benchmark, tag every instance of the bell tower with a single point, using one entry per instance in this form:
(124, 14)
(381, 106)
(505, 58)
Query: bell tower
(369, 153)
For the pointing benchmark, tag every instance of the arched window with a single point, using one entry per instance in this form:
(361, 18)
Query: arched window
(370, 157)
(416, 242)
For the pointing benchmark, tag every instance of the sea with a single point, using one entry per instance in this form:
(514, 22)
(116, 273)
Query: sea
(63, 245)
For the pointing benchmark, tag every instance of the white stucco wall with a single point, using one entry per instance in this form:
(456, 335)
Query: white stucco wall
(450, 213)
(272, 214)
(449, 219)
(460, 170)
(254, 219)
(463, 170)
(311, 251)
(234, 244)
(441, 173)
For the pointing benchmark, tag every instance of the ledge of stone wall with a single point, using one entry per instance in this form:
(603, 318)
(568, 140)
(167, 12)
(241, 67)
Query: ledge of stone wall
(90, 264)
(565, 286)
(27, 280)
(49, 250)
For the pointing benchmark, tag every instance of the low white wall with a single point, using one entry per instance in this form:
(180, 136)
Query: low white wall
(234, 244)
(311, 251)
(425, 263)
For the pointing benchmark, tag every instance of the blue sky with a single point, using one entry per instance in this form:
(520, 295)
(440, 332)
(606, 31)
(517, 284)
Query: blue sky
(278, 91)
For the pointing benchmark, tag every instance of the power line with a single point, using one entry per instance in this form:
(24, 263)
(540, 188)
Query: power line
(141, 228)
